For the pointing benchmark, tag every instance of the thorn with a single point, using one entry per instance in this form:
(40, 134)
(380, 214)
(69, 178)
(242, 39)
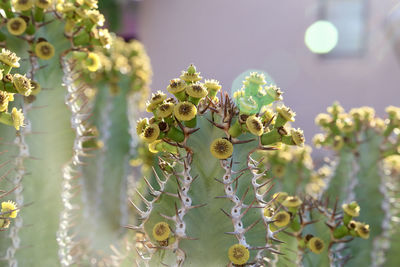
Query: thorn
(191, 131)
(220, 126)
(227, 214)
(247, 209)
(148, 204)
(238, 142)
(251, 225)
(166, 217)
(231, 233)
(198, 206)
(244, 195)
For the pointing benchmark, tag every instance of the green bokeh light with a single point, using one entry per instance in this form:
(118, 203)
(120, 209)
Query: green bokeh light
(321, 37)
(251, 102)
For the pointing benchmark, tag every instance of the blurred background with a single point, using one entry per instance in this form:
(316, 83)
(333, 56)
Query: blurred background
(316, 51)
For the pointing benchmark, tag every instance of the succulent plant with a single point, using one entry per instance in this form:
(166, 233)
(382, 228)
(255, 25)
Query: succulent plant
(228, 181)
(211, 201)
(59, 43)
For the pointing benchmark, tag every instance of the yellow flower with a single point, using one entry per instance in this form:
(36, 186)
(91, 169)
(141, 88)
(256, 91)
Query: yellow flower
(22, 5)
(185, 111)
(393, 111)
(316, 245)
(4, 223)
(5, 98)
(362, 230)
(161, 231)
(141, 125)
(297, 137)
(152, 146)
(338, 143)
(212, 85)
(356, 113)
(274, 92)
(318, 140)
(158, 98)
(256, 78)
(352, 209)
(9, 209)
(91, 3)
(335, 109)
(151, 133)
(16, 26)
(238, 254)
(292, 202)
(9, 58)
(176, 86)
(369, 113)
(286, 113)
(238, 94)
(196, 90)
(44, 4)
(96, 17)
(254, 125)
(221, 148)
(323, 119)
(18, 118)
(22, 84)
(391, 162)
(280, 196)
(281, 219)
(346, 125)
(93, 62)
(105, 37)
(191, 75)
(36, 88)
(44, 50)
(269, 211)
(165, 110)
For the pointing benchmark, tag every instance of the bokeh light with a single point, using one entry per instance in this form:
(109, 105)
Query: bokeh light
(237, 83)
(252, 102)
(321, 37)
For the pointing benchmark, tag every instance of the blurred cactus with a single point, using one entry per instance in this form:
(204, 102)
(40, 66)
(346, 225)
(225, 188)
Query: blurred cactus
(59, 42)
(210, 203)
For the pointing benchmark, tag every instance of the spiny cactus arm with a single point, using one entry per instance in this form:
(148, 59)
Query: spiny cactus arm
(21, 171)
(386, 243)
(5, 214)
(71, 172)
(260, 193)
(146, 249)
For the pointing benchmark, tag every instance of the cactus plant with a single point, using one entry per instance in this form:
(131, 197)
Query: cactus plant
(232, 185)
(59, 43)
(211, 200)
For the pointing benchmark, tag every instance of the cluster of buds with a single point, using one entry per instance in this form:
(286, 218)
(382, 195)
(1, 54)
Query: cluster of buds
(278, 161)
(24, 18)
(9, 210)
(252, 97)
(257, 117)
(350, 227)
(342, 129)
(83, 22)
(11, 84)
(175, 119)
(123, 65)
(296, 216)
